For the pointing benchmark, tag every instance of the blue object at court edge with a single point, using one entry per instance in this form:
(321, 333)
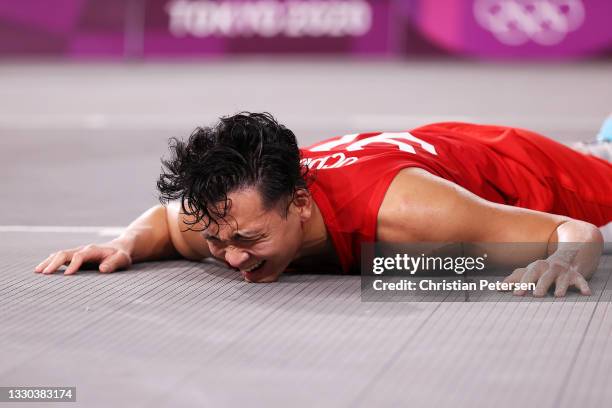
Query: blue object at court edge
(605, 133)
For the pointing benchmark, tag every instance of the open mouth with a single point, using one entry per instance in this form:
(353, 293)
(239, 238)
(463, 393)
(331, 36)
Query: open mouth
(254, 267)
(255, 273)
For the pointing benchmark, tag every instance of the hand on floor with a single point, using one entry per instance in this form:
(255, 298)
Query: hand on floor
(110, 257)
(555, 269)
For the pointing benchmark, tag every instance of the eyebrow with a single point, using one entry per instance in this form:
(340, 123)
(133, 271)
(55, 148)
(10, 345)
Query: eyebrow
(236, 235)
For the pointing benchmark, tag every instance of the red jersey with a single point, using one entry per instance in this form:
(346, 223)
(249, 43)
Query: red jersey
(500, 164)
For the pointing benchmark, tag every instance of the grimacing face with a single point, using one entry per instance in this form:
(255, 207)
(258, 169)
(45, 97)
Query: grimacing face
(259, 243)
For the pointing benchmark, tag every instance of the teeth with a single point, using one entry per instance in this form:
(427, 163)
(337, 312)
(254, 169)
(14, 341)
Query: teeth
(257, 265)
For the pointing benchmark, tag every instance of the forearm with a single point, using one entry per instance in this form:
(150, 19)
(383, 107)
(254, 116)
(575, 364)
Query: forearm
(147, 238)
(577, 243)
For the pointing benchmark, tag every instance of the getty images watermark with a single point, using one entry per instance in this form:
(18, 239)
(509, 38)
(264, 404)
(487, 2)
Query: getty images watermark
(458, 265)
(460, 271)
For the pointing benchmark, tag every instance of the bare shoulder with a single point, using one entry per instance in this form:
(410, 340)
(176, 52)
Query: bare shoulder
(420, 206)
(188, 241)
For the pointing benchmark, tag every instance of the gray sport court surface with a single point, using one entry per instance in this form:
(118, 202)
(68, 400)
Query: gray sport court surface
(80, 146)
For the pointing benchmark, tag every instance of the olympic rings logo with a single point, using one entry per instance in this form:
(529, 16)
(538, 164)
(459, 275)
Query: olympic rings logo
(515, 22)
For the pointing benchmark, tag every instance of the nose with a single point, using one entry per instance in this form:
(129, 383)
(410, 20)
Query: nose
(235, 257)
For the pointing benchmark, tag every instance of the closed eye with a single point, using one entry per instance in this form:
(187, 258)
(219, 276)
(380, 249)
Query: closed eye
(236, 238)
(245, 240)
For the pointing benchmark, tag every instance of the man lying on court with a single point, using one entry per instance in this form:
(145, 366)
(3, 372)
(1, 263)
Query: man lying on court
(251, 198)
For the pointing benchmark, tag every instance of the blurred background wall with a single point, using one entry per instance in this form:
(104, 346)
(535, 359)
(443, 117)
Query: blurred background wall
(135, 29)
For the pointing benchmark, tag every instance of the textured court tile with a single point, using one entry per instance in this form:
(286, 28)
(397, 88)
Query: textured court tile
(178, 333)
(322, 345)
(589, 382)
(154, 329)
(483, 354)
(503, 352)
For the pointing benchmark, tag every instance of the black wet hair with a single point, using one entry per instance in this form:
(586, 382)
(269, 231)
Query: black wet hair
(240, 151)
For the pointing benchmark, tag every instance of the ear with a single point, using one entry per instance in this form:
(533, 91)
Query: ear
(302, 204)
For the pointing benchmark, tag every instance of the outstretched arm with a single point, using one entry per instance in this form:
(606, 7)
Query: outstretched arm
(421, 207)
(159, 233)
